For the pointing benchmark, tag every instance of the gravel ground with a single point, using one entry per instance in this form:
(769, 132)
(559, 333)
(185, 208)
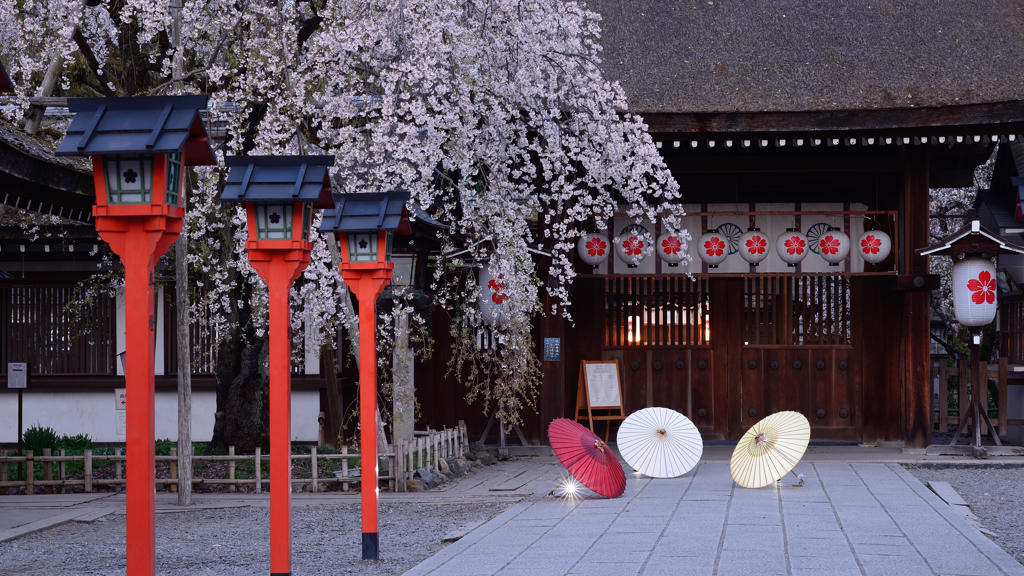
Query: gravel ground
(994, 493)
(326, 540)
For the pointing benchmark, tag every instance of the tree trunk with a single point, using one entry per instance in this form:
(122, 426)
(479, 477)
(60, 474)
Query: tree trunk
(402, 398)
(229, 350)
(328, 355)
(181, 306)
(35, 118)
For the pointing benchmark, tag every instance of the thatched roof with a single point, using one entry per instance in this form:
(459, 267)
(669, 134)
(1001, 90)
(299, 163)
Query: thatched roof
(792, 55)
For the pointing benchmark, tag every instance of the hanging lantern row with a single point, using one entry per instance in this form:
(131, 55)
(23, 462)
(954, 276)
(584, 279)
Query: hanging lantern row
(874, 246)
(631, 247)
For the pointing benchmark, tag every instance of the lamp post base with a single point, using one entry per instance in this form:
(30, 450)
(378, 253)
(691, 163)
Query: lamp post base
(370, 550)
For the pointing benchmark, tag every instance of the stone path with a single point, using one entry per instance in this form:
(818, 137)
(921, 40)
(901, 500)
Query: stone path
(857, 519)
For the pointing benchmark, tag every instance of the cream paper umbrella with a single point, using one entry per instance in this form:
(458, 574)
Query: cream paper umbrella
(770, 450)
(659, 442)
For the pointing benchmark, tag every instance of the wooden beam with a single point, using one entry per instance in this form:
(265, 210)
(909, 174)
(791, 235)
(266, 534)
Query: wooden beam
(822, 163)
(974, 119)
(951, 178)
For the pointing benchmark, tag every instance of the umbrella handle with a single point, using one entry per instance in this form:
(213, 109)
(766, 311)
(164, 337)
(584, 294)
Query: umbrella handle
(791, 470)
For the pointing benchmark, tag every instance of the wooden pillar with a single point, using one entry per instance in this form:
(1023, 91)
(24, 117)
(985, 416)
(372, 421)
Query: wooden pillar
(552, 391)
(916, 388)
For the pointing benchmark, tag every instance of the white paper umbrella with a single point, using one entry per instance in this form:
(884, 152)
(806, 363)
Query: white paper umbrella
(659, 442)
(770, 449)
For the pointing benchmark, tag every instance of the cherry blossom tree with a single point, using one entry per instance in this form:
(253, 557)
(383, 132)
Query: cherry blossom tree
(493, 114)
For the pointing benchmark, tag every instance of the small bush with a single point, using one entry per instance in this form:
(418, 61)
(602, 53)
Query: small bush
(75, 444)
(38, 437)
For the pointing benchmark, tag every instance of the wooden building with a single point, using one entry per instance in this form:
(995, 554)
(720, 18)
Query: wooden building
(790, 114)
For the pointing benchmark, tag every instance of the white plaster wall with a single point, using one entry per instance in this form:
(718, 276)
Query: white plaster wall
(92, 413)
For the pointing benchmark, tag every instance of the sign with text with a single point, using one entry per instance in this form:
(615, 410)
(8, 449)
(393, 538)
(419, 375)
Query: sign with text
(121, 423)
(599, 390)
(119, 398)
(17, 375)
(552, 349)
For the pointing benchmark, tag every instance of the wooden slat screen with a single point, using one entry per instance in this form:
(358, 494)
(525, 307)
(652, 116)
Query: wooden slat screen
(37, 329)
(649, 311)
(201, 335)
(1012, 315)
(791, 310)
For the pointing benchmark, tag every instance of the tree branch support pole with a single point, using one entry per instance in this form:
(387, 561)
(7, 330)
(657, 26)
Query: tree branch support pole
(139, 241)
(279, 269)
(367, 284)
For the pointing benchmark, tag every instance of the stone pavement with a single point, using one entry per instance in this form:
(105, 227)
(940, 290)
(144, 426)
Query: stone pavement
(854, 518)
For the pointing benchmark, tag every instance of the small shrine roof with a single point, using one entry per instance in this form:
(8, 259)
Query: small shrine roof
(286, 178)
(134, 125)
(367, 213)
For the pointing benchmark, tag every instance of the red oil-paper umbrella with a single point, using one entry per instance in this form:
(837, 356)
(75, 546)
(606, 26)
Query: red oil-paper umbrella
(587, 457)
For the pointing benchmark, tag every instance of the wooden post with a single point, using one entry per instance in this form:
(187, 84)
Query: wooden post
(982, 396)
(259, 479)
(117, 471)
(552, 390)
(943, 397)
(1003, 406)
(3, 466)
(344, 468)
(174, 471)
(30, 476)
(231, 469)
(61, 470)
(47, 470)
(399, 464)
(916, 308)
(87, 463)
(315, 471)
(963, 402)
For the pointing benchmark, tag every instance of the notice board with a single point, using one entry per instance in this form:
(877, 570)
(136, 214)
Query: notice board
(600, 390)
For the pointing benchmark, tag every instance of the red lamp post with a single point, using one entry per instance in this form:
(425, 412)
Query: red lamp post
(138, 147)
(279, 194)
(364, 225)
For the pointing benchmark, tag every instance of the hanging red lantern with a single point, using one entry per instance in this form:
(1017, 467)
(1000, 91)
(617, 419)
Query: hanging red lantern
(792, 247)
(593, 248)
(974, 291)
(671, 247)
(874, 246)
(713, 248)
(754, 246)
(834, 246)
(631, 245)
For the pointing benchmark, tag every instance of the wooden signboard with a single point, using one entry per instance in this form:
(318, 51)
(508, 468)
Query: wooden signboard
(600, 390)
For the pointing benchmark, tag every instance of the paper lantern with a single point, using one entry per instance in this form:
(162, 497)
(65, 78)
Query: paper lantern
(671, 248)
(754, 246)
(792, 247)
(974, 291)
(593, 248)
(492, 298)
(834, 246)
(874, 246)
(631, 245)
(713, 248)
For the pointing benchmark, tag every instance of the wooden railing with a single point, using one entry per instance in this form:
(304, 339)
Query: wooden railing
(959, 376)
(421, 453)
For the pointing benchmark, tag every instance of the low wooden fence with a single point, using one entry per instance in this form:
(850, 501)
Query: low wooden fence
(959, 378)
(423, 452)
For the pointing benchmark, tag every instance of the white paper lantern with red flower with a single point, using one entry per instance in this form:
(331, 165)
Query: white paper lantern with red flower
(834, 246)
(754, 246)
(492, 298)
(593, 248)
(874, 246)
(631, 246)
(974, 291)
(792, 246)
(713, 248)
(671, 249)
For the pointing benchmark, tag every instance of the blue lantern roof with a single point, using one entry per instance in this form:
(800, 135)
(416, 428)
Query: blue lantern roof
(367, 213)
(138, 125)
(5, 81)
(279, 178)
